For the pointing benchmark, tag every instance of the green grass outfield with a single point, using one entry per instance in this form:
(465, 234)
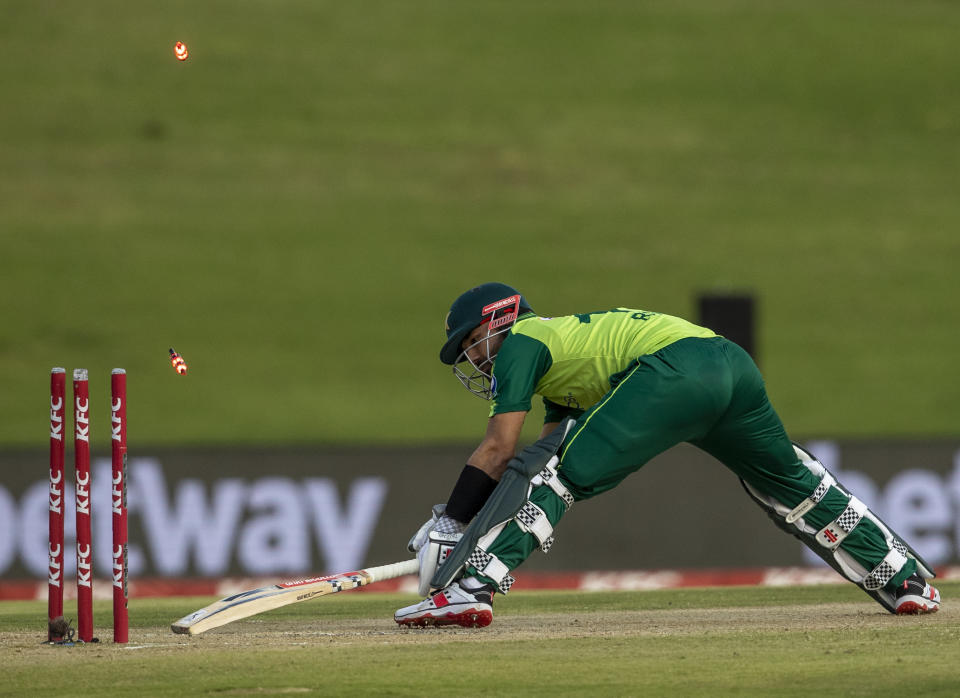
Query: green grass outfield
(295, 206)
(827, 641)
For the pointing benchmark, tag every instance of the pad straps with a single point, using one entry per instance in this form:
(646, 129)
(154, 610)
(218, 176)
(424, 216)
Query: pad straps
(832, 535)
(814, 499)
(892, 563)
(548, 476)
(533, 520)
(490, 566)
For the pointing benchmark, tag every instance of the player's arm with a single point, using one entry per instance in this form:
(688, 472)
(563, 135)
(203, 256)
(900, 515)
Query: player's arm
(499, 445)
(548, 428)
(521, 362)
(485, 466)
(477, 480)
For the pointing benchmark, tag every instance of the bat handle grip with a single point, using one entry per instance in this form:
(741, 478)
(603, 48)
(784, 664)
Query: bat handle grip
(392, 571)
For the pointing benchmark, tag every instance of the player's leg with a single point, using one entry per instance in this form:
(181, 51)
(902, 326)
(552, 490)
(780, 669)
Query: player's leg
(467, 600)
(666, 398)
(660, 401)
(751, 441)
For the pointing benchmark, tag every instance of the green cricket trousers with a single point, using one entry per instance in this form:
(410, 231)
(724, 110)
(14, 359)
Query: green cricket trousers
(707, 392)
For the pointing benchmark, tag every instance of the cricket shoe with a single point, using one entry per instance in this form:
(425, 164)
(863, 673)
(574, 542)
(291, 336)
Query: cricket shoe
(451, 606)
(916, 596)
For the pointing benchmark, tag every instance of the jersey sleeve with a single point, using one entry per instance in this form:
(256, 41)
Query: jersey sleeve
(521, 363)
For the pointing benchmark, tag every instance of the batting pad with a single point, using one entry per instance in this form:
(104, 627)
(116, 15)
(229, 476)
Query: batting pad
(504, 503)
(826, 542)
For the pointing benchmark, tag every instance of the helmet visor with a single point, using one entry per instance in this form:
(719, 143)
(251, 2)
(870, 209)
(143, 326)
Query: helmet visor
(476, 374)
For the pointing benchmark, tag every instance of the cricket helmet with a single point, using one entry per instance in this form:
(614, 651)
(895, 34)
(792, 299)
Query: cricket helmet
(493, 304)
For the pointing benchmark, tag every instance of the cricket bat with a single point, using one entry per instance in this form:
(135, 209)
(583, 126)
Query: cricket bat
(250, 603)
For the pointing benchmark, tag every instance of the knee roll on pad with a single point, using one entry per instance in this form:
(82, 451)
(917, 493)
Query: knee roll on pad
(510, 501)
(826, 541)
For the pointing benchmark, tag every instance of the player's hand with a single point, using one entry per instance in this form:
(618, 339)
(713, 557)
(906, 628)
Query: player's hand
(420, 537)
(439, 521)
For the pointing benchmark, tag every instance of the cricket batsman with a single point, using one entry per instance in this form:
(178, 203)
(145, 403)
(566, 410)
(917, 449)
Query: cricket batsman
(620, 386)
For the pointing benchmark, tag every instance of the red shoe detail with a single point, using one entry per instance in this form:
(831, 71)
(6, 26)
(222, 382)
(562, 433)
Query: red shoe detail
(440, 600)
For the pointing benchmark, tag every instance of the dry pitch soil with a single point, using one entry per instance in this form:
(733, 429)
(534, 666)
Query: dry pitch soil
(373, 632)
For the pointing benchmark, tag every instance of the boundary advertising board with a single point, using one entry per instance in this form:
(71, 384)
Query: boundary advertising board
(256, 512)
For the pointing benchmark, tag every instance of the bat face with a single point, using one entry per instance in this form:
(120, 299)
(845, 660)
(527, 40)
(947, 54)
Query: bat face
(254, 601)
(249, 603)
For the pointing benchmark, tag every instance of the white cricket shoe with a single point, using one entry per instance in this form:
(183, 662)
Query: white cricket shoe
(451, 606)
(916, 596)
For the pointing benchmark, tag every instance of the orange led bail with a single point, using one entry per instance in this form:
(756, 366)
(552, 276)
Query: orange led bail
(179, 365)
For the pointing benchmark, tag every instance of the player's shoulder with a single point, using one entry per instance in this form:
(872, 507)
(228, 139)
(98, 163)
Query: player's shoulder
(550, 332)
(538, 326)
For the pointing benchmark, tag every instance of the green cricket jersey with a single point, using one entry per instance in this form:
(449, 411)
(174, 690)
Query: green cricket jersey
(571, 360)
